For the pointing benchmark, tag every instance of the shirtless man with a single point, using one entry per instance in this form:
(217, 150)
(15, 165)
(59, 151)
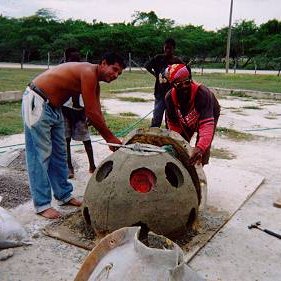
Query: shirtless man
(44, 125)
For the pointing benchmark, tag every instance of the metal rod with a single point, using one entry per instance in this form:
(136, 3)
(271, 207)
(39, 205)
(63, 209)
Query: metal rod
(136, 147)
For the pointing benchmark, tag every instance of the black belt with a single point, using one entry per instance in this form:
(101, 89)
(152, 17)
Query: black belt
(38, 91)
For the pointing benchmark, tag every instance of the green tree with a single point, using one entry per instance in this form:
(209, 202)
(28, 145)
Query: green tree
(47, 14)
(150, 18)
(270, 28)
(43, 32)
(243, 41)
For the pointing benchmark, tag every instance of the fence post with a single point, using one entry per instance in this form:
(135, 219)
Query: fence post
(48, 60)
(22, 59)
(130, 62)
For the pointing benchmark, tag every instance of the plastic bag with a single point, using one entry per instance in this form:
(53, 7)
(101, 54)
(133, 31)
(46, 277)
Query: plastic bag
(12, 233)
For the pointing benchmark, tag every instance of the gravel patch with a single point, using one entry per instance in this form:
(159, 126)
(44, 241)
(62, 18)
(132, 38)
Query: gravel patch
(14, 188)
(13, 179)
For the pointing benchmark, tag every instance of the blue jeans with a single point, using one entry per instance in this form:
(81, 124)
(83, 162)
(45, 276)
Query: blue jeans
(159, 109)
(45, 151)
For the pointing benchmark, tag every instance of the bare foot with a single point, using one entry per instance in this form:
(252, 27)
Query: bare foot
(70, 173)
(50, 213)
(92, 170)
(73, 202)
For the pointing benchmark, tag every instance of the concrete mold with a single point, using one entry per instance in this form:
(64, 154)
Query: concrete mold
(122, 256)
(153, 189)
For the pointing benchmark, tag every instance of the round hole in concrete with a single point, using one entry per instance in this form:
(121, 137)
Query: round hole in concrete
(173, 174)
(104, 171)
(142, 180)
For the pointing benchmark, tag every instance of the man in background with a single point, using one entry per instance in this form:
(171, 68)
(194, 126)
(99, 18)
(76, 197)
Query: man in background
(75, 121)
(156, 66)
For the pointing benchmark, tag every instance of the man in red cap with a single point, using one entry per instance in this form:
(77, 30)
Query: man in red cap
(190, 108)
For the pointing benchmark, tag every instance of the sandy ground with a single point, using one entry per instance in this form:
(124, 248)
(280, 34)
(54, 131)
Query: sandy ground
(234, 253)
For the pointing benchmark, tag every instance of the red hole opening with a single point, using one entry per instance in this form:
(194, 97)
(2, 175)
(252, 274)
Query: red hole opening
(142, 180)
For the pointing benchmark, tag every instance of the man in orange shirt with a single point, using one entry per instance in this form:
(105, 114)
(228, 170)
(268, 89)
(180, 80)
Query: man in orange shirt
(44, 125)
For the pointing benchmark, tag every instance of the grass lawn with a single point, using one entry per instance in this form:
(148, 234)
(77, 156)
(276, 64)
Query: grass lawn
(11, 121)
(128, 80)
(264, 83)
(10, 116)
(17, 79)
(122, 125)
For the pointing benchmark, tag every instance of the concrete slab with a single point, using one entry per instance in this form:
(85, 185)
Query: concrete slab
(113, 106)
(228, 189)
(10, 96)
(258, 117)
(235, 252)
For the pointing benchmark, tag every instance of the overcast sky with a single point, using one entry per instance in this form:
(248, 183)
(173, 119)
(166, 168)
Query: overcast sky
(211, 14)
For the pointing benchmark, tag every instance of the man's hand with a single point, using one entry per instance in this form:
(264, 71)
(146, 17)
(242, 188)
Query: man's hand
(196, 156)
(115, 141)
